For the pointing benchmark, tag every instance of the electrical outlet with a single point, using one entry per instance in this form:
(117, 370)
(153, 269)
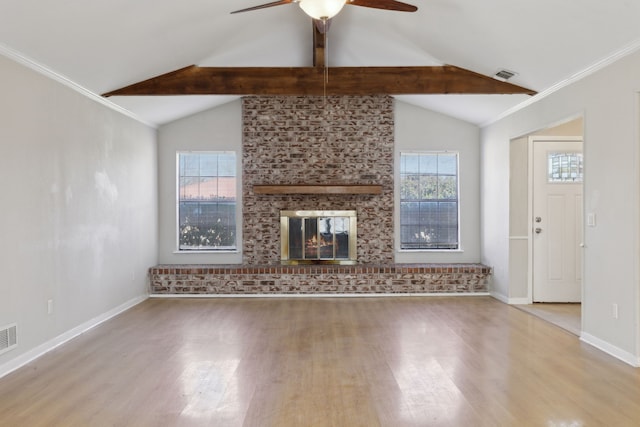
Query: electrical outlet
(614, 310)
(50, 306)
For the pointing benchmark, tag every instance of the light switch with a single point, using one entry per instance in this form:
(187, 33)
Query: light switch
(591, 219)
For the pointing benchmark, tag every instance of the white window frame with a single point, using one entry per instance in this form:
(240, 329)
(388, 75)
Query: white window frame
(178, 249)
(458, 200)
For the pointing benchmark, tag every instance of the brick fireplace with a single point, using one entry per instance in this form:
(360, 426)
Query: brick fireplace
(337, 140)
(341, 142)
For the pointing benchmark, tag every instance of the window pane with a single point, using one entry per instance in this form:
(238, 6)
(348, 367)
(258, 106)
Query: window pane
(185, 188)
(410, 163)
(206, 203)
(447, 164)
(208, 164)
(410, 187)
(429, 201)
(428, 187)
(447, 187)
(429, 163)
(409, 213)
(190, 165)
(227, 165)
(565, 167)
(208, 189)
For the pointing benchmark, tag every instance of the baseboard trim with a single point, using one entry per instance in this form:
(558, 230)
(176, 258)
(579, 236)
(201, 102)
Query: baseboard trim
(510, 301)
(519, 301)
(499, 297)
(47, 346)
(363, 295)
(611, 350)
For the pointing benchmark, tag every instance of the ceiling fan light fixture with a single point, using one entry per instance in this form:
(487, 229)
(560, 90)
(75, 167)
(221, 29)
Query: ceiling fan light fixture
(322, 9)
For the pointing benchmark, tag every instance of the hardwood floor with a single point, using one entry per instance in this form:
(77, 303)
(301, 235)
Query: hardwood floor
(406, 361)
(568, 316)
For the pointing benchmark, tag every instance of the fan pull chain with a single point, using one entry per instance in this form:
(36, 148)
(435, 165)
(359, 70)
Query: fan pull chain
(326, 62)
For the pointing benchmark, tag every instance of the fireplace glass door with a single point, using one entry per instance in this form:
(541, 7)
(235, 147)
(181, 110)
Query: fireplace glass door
(318, 237)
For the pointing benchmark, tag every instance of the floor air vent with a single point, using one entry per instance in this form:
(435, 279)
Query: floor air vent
(8, 337)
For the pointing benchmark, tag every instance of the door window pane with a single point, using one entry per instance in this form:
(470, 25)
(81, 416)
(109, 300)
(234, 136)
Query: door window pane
(565, 167)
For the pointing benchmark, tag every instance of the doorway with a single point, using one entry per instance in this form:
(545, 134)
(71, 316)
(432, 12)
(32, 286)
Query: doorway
(522, 219)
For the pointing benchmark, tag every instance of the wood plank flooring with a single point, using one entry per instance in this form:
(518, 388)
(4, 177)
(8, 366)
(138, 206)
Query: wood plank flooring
(406, 361)
(568, 316)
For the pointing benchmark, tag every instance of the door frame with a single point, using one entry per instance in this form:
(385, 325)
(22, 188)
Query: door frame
(530, 225)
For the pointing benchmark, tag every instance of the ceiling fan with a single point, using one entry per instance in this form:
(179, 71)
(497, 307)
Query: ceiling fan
(445, 79)
(321, 11)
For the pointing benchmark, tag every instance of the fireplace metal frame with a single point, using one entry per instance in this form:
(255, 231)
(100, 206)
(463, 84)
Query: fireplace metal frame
(302, 214)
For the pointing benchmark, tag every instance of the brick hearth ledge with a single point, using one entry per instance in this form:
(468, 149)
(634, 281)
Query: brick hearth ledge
(319, 279)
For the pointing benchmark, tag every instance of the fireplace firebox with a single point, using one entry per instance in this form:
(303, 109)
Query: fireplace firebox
(318, 237)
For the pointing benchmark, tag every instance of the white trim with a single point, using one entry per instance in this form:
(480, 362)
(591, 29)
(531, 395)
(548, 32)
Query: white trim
(530, 189)
(430, 251)
(397, 205)
(519, 301)
(46, 347)
(510, 301)
(208, 252)
(238, 201)
(500, 297)
(610, 349)
(636, 247)
(47, 72)
(363, 295)
(597, 66)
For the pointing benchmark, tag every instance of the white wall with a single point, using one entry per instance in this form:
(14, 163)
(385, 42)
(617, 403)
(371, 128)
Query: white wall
(78, 221)
(608, 101)
(416, 129)
(218, 129)
(420, 129)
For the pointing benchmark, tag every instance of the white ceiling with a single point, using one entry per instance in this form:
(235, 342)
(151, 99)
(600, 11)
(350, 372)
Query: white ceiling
(102, 45)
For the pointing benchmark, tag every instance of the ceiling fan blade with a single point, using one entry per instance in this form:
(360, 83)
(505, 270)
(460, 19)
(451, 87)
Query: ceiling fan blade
(384, 4)
(264, 6)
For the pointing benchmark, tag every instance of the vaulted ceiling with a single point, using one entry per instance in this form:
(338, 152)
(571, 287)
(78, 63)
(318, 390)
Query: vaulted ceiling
(104, 45)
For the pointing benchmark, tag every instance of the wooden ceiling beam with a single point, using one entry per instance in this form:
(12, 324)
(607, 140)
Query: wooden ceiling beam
(195, 80)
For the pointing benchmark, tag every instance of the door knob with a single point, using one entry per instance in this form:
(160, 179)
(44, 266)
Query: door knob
(538, 219)
(538, 230)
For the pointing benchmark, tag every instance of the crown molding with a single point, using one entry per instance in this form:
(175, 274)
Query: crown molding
(30, 63)
(593, 68)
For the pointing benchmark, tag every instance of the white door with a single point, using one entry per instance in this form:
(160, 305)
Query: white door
(557, 220)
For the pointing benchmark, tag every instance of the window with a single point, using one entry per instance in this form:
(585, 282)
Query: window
(565, 167)
(429, 201)
(206, 201)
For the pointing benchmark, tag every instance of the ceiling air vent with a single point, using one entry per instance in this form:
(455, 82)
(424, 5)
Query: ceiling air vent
(8, 337)
(504, 75)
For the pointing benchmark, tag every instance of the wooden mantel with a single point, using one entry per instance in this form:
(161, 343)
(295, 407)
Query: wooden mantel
(317, 189)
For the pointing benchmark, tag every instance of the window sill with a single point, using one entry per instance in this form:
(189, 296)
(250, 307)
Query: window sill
(430, 251)
(208, 252)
